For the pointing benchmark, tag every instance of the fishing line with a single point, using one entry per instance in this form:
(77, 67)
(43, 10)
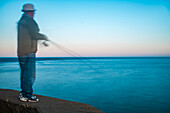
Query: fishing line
(72, 53)
(65, 49)
(68, 50)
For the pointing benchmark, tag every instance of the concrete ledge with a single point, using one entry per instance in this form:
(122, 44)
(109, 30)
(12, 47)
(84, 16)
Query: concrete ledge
(9, 103)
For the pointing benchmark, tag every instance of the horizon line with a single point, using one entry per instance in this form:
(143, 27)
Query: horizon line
(96, 57)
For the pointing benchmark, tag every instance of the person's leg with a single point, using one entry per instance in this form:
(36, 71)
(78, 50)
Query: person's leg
(23, 61)
(32, 74)
(27, 65)
(32, 61)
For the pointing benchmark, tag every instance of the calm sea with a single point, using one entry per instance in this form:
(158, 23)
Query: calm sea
(113, 85)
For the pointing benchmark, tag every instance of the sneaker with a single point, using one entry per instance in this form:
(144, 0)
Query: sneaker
(32, 99)
(22, 98)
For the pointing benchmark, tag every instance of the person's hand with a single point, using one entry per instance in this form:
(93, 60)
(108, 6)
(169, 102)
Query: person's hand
(45, 44)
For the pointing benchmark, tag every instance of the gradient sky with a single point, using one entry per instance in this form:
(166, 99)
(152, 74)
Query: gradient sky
(92, 27)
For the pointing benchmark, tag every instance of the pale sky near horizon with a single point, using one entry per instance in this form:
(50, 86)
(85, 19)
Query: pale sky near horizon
(92, 27)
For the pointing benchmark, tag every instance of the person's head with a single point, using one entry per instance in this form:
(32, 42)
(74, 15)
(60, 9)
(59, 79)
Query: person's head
(29, 9)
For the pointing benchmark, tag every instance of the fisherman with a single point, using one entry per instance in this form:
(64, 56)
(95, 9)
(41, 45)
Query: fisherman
(28, 35)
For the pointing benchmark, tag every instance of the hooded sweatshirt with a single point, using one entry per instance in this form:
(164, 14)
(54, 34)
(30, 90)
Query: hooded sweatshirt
(28, 35)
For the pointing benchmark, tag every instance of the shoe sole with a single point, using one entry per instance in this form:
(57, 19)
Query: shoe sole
(29, 101)
(33, 101)
(23, 100)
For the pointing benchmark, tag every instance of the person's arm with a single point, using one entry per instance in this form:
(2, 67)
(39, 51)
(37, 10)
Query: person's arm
(42, 37)
(34, 33)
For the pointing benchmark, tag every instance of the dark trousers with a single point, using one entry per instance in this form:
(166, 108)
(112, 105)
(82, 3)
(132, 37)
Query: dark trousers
(27, 66)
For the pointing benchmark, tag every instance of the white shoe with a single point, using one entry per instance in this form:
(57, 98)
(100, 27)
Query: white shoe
(25, 99)
(33, 99)
(22, 98)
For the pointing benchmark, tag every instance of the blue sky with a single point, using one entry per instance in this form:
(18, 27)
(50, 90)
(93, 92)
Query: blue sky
(93, 27)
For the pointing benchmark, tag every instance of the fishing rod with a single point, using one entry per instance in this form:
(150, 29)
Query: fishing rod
(70, 52)
(66, 50)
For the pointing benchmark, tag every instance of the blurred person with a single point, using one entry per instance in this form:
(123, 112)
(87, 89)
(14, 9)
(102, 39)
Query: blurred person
(28, 36)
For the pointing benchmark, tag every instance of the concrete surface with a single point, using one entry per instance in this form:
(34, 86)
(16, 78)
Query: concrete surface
(10, 103)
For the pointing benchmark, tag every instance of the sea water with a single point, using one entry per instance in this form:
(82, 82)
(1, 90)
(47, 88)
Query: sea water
(113, 85)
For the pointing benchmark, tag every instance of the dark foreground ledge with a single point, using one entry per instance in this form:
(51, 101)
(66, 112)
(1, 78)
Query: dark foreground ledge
(9, 103)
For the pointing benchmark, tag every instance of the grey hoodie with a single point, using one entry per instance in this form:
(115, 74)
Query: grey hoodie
(28, 35)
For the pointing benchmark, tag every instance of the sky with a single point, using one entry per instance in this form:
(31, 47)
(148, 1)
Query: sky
(92, 28)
